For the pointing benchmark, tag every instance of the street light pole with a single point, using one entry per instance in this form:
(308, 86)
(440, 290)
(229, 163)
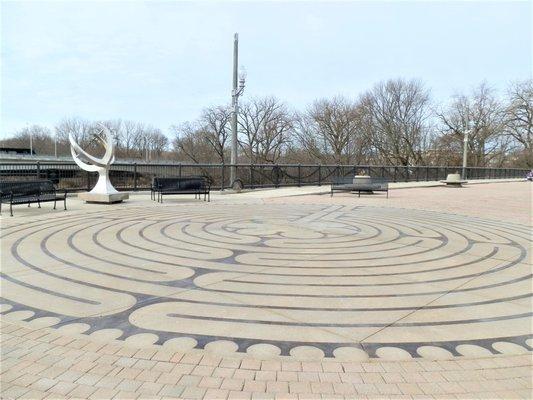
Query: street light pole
(238, 87)
(465, 153)
(55, 145)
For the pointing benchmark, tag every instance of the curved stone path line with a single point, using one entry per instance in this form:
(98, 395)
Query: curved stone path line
(49, 363)
(304, 281)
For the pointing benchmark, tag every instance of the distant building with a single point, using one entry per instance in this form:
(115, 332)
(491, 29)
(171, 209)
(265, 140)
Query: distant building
(17, 150)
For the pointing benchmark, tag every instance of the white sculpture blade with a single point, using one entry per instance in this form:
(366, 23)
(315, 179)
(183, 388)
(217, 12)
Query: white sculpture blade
(100, 165)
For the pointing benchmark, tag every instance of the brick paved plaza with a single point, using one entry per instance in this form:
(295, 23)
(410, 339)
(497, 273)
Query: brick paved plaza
(285, 294)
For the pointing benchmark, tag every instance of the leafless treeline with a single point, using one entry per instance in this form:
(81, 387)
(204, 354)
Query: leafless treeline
(394, 123)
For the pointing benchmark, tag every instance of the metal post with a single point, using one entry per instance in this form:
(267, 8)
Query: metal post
(235, 105)
(135, 176)
(55, 145)
(319, 175)
(465, 152)
(252, 176)
(223, 177)
(179, 170)
(38, 169)
(299, 175)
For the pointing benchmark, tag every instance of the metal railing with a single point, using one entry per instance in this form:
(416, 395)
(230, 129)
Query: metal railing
(138, 176)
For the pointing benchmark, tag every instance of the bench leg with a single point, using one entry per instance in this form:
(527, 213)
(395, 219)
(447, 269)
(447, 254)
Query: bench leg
(11, 208)
(39, 203)
(208, 197)
(54, 204)
(359, 194)
(65, 202)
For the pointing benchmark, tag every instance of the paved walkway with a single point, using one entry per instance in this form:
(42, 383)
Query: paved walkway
(268, 297)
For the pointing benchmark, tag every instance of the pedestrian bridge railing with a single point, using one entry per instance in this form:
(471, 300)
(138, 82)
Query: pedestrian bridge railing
(138, 176)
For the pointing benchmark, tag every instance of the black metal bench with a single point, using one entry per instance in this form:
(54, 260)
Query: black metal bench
(196, 185)
(27, 192)
(346, 184)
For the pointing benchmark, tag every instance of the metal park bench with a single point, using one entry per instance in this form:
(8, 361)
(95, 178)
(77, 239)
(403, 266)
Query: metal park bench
(370, 185)
(27, 192)
(196, 185)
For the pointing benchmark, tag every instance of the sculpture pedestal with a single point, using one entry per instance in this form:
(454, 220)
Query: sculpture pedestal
(103, 198)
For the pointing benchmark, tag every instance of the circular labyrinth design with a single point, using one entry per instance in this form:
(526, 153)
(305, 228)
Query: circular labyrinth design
(308, 281)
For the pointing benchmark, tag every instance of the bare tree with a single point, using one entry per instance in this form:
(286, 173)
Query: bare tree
(331, 131)
(129, 134)
(157, 143)
(189, 143)
(216, 129)
(148, 142)
(483, 116)
(266, 125)
(519, 117)
(392, 123)
(41, 138)
(395, 117)
(81, 130)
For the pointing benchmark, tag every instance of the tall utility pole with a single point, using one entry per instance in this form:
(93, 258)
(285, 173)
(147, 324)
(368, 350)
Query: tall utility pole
(238, 87)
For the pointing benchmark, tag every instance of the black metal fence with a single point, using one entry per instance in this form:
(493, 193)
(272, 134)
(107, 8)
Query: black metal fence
(138, 176)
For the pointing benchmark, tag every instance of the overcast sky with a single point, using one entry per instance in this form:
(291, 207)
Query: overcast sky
(162, 62)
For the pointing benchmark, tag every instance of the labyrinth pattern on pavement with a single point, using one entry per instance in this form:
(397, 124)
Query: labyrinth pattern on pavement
(302, 280)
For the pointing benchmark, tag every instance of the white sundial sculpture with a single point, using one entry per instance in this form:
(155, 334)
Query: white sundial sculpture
(103, 191)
